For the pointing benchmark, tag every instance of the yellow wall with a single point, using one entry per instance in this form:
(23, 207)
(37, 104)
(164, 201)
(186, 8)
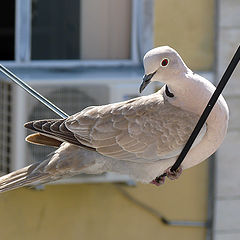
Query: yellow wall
(99, 211)
(187, 26)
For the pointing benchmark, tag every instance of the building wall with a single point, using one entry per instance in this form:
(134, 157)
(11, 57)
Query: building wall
(187, 26)
(227, 210)
(100, 211)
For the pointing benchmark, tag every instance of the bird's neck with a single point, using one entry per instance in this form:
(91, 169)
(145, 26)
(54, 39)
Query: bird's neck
(193, 95)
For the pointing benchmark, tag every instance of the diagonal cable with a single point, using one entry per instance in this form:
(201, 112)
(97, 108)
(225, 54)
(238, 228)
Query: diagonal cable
(31, 91)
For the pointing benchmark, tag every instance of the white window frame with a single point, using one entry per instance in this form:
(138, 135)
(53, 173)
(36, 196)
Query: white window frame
(23, 42)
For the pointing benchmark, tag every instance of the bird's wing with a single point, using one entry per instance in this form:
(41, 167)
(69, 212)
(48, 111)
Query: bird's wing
(143, 129)
(52, 133)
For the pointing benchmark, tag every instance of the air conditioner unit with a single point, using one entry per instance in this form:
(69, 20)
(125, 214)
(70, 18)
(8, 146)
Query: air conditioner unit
(71, 94)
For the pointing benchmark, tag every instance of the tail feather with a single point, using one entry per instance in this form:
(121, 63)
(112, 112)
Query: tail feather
(66, 161)
(22, 177)
(40, 139)
(17, 174)
(21, 182)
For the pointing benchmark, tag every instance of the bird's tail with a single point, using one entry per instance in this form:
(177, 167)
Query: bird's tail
(26, 176)
(66, 161)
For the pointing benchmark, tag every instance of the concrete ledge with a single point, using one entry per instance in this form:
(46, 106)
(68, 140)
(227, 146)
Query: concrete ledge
(230, 13)
(228, 216)
(228, 44)
(228, 177)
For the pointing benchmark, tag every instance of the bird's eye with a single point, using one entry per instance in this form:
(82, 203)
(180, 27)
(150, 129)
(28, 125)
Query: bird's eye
(164, 62)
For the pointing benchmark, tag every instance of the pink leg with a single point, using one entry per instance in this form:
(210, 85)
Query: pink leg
(173, 175)
(158, 180)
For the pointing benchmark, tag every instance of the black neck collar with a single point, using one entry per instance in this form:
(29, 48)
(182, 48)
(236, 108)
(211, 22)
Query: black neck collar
(168, 93)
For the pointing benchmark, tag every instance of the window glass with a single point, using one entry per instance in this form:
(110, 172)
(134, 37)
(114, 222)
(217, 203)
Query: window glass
(55, 29)
(106, 29)
(7, 30)
(86, 29)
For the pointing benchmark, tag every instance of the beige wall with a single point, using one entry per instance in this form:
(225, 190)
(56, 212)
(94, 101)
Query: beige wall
(187, 26)
(99, 211)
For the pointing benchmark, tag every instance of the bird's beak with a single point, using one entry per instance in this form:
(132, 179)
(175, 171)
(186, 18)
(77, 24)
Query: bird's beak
(146, 80)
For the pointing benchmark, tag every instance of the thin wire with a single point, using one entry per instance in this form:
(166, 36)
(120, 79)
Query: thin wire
(31, 91)
(156, 213)
(226, 76)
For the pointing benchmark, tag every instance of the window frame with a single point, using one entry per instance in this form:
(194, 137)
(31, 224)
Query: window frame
(22, 47)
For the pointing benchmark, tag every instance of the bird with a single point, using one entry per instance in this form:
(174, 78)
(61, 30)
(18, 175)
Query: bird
(141, 137)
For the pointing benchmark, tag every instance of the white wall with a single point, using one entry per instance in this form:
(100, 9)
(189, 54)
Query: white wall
(227, 201)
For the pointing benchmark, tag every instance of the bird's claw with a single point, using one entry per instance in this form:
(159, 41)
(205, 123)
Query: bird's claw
(173, 175)
(167, 173)
(158, 180)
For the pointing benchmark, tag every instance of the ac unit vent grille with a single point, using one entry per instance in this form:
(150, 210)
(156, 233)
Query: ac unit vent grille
(70, 100)
(5, 126)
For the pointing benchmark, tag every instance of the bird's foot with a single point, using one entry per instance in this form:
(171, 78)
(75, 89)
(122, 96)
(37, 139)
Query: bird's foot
(173, 175)
(158, 180)
(167, 173)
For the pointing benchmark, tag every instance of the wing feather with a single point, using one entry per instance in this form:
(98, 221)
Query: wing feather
(143, 129)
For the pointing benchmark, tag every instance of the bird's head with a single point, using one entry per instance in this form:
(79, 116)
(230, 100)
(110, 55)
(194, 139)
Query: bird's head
(162, 64)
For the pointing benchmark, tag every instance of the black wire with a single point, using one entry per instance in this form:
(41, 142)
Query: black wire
(232, 65)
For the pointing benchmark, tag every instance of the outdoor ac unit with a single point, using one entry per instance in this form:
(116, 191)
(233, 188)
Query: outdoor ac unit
(71, 95)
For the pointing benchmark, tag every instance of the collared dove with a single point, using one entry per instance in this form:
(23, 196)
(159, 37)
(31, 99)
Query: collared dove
(141, 137)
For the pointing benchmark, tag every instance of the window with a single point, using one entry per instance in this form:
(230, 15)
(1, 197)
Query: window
(55, 29)
(7, 26)
(106, 34)
(80, 30)
(74, 32)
